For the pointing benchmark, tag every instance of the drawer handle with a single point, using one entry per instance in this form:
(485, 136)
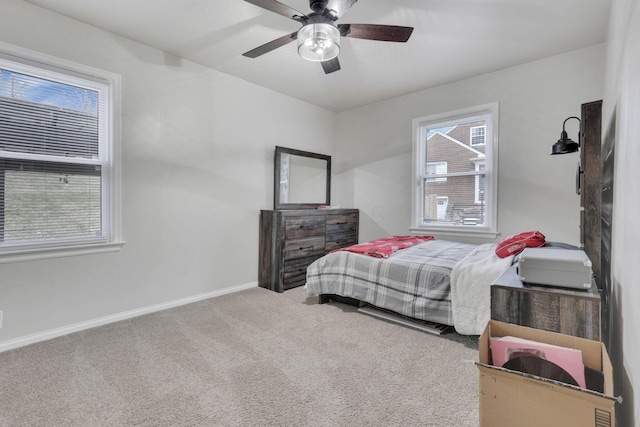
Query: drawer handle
(307, 227)
(305, 247)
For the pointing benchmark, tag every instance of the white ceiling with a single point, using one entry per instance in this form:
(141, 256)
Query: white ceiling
(452, 40)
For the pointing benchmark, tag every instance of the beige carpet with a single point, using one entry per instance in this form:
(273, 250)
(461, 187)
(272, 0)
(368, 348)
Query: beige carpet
(253, 358)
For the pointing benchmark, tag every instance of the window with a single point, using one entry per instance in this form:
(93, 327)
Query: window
(477, 134)
(455, 170)
(57, 157)
(437, 168)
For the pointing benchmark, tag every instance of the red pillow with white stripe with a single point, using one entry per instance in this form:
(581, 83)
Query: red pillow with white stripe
(515, 244)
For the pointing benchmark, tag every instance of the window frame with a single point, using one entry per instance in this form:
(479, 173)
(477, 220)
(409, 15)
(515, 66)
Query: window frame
(420, 126)
(111, 240)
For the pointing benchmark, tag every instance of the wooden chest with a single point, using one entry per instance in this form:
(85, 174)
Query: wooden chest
(290, 240)
(566, 311)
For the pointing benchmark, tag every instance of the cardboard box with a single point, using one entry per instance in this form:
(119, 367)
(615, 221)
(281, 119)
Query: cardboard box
(514, 399)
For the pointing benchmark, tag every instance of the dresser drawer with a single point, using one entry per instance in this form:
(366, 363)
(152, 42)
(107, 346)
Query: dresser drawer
(301, 227)
(340, 240)
(341, 223)
(301, 248)
(295, 271)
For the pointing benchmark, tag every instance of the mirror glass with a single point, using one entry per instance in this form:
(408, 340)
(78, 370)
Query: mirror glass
(302, 179)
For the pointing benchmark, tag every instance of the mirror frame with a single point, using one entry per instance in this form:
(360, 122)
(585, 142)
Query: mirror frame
(276, 178)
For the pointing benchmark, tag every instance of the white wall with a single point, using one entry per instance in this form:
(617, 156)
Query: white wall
(622, 95)
(197, 167)
(536, 190)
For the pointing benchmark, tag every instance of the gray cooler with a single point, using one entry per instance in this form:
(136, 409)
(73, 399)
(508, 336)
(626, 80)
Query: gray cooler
(566, 268)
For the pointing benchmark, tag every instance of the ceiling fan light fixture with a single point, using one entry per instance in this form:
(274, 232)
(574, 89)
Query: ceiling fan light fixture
(318, 42)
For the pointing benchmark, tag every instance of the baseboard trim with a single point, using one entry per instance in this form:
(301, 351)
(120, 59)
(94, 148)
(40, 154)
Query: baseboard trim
(65, 330)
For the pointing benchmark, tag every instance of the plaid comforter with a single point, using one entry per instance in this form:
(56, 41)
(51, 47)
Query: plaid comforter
(414, 282)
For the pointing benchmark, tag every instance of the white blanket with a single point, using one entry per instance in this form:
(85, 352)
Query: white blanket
(471, 281)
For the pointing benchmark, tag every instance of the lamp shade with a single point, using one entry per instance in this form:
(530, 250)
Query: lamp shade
(564, 145)
(319, 42)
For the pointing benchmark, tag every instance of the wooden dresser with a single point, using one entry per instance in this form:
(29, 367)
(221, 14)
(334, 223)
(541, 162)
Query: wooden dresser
(290, 240)
(566, 311)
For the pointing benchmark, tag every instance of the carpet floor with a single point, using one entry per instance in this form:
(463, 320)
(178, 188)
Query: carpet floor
(252, 358)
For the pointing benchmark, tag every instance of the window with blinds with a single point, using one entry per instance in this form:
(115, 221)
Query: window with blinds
(55, 157)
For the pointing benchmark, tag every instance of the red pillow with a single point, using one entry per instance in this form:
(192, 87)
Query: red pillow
(515, 244)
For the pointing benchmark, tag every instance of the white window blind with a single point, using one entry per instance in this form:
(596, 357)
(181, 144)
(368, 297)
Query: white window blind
(54, 157)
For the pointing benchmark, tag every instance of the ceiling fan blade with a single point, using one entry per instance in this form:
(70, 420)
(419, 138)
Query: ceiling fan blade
(272, 45)
(331, 65)
(277, 7)
(340, 7)
(385, 33)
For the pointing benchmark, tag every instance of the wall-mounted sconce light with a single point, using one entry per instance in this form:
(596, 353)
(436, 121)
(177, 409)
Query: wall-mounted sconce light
(565, 144)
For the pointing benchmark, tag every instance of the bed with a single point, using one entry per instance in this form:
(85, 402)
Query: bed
(438, 281)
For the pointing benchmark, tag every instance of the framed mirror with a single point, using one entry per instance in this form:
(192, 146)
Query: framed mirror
(302, 180)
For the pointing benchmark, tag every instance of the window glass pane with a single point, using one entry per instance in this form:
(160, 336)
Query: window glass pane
(458, 196)
(45, 201)
(450, 146)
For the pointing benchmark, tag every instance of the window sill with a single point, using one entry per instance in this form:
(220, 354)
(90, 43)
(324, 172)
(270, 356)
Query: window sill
(456, 233)
(59, 252)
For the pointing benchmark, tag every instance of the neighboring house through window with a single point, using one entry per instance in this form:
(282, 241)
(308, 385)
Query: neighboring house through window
(455, 169)
(443, 202)
(437, 168)
(477, 135)
(57, 157)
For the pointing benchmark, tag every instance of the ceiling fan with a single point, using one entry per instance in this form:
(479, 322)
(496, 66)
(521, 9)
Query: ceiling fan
(319, 37)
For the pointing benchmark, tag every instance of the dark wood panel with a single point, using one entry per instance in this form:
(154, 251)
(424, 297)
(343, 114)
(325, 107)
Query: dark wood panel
(268, 267)
(541, 311)
(571, 312)
(295, 271)
(291, 239)
(301, 227)
(580, 317)
(337, 241)
(300, 248)
(505, 306)
(341, 223)
(590, 194)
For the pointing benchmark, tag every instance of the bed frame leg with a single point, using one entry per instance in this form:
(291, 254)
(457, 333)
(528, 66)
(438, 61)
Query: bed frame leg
(325, 298)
